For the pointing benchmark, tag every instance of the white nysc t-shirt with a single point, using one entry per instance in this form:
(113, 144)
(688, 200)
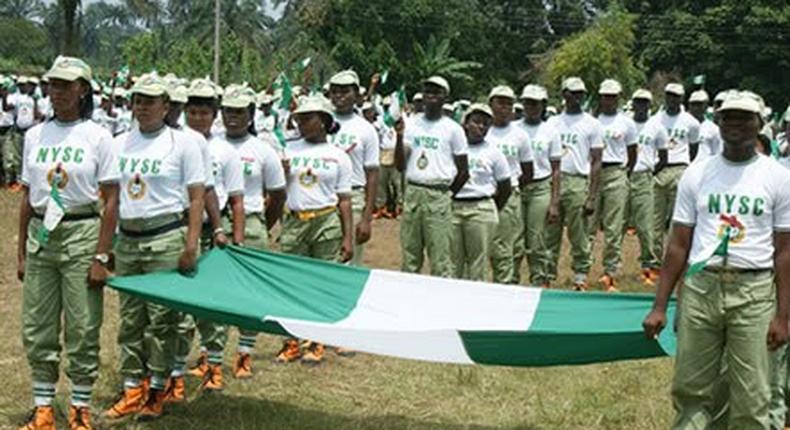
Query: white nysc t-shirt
(580, 134)
(487, 166)
(318, 175)
(432, 144)
(546, 147)
(226, 169)
(80, 153)
(682, 129)
(515, 144)
(651, 137)
(751, 198)
(261, 168)
(710, 143)
(619, 132)
(359, 139)
(156, 168)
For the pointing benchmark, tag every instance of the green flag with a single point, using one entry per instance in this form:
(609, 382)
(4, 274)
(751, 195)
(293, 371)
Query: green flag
(55, 210)
(285, 86)
(720, 248)
(384, 76)
(395, 110)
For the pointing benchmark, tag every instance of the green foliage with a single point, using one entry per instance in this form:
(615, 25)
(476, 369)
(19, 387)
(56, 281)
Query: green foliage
(23, 44)
(601, 51)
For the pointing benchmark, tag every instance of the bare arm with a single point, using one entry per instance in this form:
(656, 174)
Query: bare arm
(527, 173)
(632, 153)
(188, 258)
(274, 208)
(693, 150)
(503, 190)
(777, 331)
(663, 156)
(347, 223)
(363, 229)
(97, 274)
(25, 213)
(401, 152)
(214, 218)
(236, 203)
(462, 167)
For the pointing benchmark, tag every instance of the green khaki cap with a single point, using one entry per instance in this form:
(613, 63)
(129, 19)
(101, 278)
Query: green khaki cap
(438, 81)
(346, 77)
(69, 69)
(478, 107)
(315, 103)
(150, 84)
(502, 91)
(238, 96)
(202, 88)
(573, 84)
(534, 92)
(642, 94)
(610, 87)
(741, 101)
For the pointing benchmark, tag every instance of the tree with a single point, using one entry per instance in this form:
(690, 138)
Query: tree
(70, 9)
(20, 9)
(23, 45)
(436, 59)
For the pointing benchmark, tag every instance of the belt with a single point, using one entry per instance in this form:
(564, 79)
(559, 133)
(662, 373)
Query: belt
(535, 181)
(573, 175)
(70, 217)
(154, 231)
(607, 165)
(730, 269)
(676, 165)
(358, 187)
(311, 214)
(437, 187)
(471, 199)
(4, 130)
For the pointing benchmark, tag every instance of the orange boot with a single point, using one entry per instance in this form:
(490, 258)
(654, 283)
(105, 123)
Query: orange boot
(608, 283)
(212, 381)
(154, 406)
(42, 418)
(314, 354)
(175, 390)
(80, 418)
(242, 366)
(201, 367)
(289, 352)
(130, 402)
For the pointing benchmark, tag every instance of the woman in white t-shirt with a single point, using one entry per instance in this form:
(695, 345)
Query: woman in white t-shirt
(264, 188)
(157, 164)
(64, 242)
(476, 206)
(319, 186)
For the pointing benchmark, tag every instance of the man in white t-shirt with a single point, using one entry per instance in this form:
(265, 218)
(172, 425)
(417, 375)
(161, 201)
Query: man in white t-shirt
(582, 147)
(652, 141)
(710, 139)
(359, 139)
(266, 118)
(682, 131)
(508, 245)
(731, 226)
(23, 106)
(432, 151)
(6, 124)
(619, 158)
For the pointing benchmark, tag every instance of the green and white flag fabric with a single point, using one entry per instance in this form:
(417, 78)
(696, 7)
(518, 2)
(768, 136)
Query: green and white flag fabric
(717, 249)
(54, 211)
(286, 92)
(395, 110)
(406, 315)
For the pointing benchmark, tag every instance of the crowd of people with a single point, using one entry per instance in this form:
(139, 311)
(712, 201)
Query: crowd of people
(143, 176)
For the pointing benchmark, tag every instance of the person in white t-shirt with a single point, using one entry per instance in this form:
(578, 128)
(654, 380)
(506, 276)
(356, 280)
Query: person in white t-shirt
(477, 207)
(540, 196)
(264, 189)
(710, 138)
(157, 164)
(582, 141)
(682, 130)
(619, 158)
(508, 245)
(23, 106)
(319, 222)
(389, 198)
(358, 138)
(64, 243)
(652, 140)
(731, 228)
(431, 151)
(266, 118)
(228, 200)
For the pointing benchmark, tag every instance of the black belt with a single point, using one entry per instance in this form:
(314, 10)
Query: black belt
(607, 165)
(437, 187)
(676, 165)
(69, 217)
(4, 130)
(471, 199)
(358, 187)
(720, 269)
(154, 231)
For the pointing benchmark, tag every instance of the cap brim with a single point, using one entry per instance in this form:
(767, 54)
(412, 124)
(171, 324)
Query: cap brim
(64, 75)
(608, 93)
(149, 93)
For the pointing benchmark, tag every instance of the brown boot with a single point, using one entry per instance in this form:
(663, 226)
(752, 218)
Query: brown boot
(130, 402)
(175, 390)
(213, 379)
(80, 418)
(154, 407)
(42, 418)
(289, 352)
(313, 354)
(201, 367)
(242, 366)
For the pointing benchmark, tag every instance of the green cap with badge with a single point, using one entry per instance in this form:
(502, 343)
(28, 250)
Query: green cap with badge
(69, 69)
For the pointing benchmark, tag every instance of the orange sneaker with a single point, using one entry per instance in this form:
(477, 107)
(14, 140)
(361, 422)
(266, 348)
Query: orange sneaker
(201, 367)
(41, 418)
(15, 187)
(655, 275)
(154, 406)
(212, 381)
(630, 231)
(80, 418)
(289, 352)
(646, 277)
(608, 283)
(546, 285)
(345, 352)
(378, 213)
(130, 402)
(175, 390)
(580, 286)
(314, 354)
(242, 366)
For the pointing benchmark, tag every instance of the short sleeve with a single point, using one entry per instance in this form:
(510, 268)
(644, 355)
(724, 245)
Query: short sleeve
(108, 169)
(205, 155)
(686, 202)
(661, 138)
(525, 154)
(781, 209)
(458, 139)
(631, 136)
(371, 146)
(343, 184)
(233, 174)
(25, 152)
(192, 169)
(596, 134)
(694, 130)
(273, 174)
(555, 145)
(501, 167)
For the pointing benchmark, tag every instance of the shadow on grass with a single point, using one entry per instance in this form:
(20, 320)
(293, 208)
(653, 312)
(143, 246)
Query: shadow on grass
(221, 411)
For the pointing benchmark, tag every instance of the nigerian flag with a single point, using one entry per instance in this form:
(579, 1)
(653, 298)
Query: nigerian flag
(406, 315)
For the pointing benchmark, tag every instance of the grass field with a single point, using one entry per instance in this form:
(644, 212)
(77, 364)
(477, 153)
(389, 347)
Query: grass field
(364, 392)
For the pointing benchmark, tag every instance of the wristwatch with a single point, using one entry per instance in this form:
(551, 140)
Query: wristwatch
(102, 258)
